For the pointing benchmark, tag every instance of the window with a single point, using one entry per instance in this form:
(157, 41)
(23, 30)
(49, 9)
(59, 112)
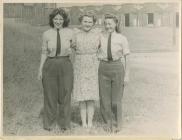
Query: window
(127, 19)
(177, 19)
(150, 18)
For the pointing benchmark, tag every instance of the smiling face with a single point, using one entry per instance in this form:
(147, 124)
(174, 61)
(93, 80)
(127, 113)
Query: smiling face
(58, 21)
(87, 23)
(110, 25)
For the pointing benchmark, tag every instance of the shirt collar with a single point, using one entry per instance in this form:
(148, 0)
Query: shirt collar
(104, 32)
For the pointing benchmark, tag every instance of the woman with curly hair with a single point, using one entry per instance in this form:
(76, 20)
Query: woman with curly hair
(56, 71)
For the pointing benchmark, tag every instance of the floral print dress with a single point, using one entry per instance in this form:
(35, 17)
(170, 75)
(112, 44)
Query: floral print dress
(85, 86)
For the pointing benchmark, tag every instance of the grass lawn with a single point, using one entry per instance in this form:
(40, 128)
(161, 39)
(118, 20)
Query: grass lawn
(151, 100)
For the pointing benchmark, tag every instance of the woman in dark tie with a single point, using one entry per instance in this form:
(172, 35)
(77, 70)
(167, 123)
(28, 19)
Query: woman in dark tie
(56, 71)
(112, 72)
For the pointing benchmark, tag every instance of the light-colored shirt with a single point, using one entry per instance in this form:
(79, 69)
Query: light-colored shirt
(49, 44)
(119, 46)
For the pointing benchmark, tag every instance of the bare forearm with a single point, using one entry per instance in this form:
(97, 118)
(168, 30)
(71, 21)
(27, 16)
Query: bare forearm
(42, 61)
(127, 66)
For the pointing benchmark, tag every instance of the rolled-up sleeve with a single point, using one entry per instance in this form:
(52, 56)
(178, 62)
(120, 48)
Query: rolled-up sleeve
(125, 46)
(44, 44)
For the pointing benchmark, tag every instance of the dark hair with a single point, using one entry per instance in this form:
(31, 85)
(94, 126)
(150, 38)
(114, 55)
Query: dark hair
(88, 14)
(115, 19)
(60, 12)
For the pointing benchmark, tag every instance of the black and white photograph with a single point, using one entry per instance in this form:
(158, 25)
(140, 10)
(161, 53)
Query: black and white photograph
(92, 69)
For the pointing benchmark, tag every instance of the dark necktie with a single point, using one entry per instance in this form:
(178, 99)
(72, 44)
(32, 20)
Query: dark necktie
(58, 48)
(109, 54)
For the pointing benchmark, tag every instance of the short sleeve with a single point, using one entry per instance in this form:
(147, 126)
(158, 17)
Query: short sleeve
(44, 44)
(125, 46)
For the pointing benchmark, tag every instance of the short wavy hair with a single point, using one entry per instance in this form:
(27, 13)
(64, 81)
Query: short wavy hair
(115, 18)
(111, 16)
(61, 12)
(88, 14)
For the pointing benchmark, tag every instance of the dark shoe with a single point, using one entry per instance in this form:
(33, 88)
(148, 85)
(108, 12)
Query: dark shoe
(63, 129)
(107, 129)
(48, 129)
(117, 129)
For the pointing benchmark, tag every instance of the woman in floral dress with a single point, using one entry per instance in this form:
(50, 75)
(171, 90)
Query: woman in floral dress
(85, 89)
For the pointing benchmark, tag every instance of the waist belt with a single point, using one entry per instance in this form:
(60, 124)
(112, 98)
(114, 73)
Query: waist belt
(118, 60)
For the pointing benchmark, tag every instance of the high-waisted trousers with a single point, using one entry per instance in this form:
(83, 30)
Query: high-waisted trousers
(57, 85)
(111, 87)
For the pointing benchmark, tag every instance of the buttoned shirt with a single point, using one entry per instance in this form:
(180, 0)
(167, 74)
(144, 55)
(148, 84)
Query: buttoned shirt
(49, 43)
(119, 46)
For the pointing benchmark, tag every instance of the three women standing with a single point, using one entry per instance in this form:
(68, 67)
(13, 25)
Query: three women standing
(90, 82)
(56, 71)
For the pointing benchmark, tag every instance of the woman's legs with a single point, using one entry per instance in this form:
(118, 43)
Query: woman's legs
(117, 93)
(65, 89)
(111, 78)
(83, 113)
(90, 112)
(105, 93)
(50, 87)
(87, 112)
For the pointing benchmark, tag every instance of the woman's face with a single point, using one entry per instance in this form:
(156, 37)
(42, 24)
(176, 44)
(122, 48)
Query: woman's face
(58, 21)
(110, 25)
(87, 23)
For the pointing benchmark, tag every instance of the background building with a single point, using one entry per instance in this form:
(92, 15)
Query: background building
(146, 14)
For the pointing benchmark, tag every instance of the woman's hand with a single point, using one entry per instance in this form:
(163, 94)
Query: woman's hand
(42, 61)
(40, 75)
(72, 45)
(126, 78)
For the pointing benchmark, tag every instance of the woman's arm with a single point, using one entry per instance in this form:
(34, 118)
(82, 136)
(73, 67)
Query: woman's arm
(42, 61)
(127, 68)
(126, 53)
(43, 57)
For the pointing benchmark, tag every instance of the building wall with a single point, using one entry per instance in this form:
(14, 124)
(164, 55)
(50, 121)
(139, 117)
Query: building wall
(133, 19)
(13, 10)
(38, 14)
(158, 19)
